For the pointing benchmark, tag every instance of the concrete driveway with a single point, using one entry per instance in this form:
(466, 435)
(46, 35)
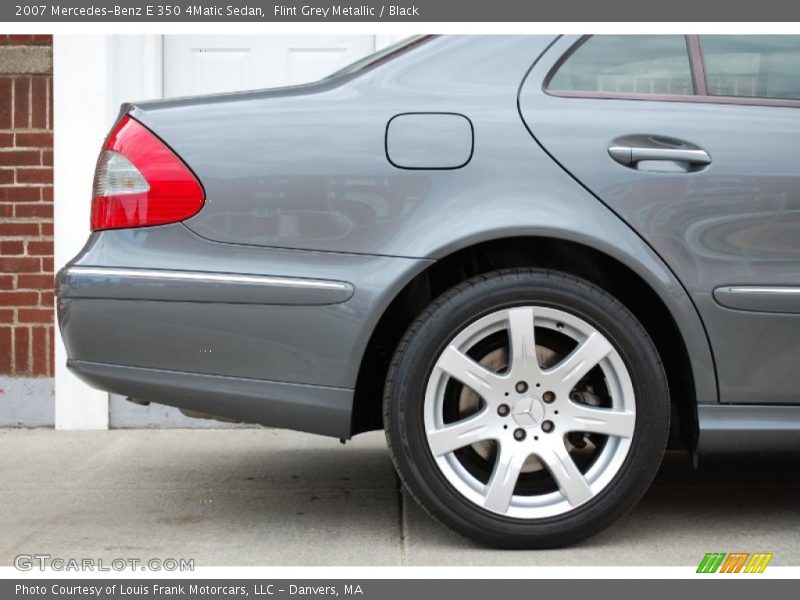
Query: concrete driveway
(270, 497)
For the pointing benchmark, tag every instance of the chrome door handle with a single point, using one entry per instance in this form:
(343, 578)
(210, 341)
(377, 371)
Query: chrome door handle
(630, 155)
(632, 149)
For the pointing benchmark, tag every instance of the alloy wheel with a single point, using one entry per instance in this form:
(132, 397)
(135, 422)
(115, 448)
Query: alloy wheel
(551, 425)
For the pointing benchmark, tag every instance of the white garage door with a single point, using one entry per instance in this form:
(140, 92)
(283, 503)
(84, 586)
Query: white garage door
(206, 64)
(195, 64)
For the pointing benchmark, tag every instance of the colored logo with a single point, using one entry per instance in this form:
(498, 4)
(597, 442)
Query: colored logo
(735, 562)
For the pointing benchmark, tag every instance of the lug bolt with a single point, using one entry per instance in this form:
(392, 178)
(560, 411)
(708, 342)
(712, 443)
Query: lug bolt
(549, 397)
(547, 426)
(519, 434)
(521, 387)
(503, 410)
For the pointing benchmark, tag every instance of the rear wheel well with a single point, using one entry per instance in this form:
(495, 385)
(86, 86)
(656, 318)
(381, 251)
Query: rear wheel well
(577, 259)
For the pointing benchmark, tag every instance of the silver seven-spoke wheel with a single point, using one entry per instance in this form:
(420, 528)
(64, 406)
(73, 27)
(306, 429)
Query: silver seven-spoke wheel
(528, 410)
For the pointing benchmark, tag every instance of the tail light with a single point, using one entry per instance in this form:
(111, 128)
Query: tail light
(140, 182)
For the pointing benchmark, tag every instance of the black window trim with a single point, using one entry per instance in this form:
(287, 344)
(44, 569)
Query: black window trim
(700, 93)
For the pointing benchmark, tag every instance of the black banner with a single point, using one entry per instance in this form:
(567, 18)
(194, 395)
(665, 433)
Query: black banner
(389, 589)
(43, 11)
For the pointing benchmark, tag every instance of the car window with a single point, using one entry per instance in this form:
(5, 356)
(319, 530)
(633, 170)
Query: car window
(633, 64)
(752, 66)
(380, 56)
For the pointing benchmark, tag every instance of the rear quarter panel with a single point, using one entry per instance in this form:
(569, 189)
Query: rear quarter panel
(298, 180)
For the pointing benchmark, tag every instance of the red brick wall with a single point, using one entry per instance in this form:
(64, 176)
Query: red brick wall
(26, 208)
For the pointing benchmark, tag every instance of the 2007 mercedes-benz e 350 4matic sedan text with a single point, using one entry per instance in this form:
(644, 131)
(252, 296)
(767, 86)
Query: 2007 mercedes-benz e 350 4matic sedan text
(535, 261)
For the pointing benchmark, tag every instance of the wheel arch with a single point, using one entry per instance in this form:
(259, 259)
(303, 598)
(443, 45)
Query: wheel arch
(666, 316)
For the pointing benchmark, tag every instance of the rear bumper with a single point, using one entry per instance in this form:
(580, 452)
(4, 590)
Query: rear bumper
(258, 334)
(316, 409)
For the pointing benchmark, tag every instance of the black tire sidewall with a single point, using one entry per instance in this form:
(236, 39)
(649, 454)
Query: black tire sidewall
(451, 313)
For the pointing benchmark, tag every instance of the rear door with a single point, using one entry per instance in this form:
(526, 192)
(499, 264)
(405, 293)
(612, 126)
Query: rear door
(695, 142)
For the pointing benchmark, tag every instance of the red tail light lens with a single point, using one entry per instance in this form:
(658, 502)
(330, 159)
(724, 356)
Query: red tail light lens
(140, 182)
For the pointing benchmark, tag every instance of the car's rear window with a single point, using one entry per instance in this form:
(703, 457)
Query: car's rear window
(381, 56)
(635, 64)
(752, 66)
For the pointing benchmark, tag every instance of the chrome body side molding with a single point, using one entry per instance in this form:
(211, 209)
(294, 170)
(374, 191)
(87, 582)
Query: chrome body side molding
(199, 286)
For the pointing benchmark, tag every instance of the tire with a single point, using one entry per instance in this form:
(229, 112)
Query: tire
(575, 469)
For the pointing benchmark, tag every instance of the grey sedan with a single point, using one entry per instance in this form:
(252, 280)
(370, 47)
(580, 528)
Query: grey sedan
(535, 261)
